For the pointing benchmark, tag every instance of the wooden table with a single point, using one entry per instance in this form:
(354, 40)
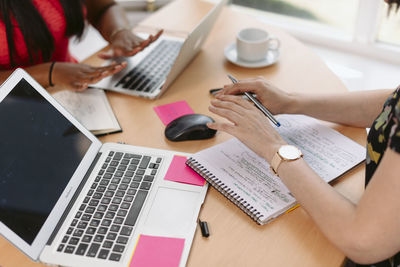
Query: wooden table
(291, 240)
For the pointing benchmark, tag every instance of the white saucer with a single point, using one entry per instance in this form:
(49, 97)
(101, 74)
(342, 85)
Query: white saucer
(231, 55)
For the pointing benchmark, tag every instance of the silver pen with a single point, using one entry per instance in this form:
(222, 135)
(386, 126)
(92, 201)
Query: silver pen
(257, 104)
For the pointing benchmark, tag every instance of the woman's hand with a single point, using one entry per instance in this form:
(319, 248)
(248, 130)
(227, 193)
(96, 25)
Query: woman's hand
(126, 44)
(77, 77)
(248, 124)
(276, 100)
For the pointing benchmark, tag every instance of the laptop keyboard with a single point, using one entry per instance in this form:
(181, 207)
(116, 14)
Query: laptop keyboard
(107, 216)
(153, 69)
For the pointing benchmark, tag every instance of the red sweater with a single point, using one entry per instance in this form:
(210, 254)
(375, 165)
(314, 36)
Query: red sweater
(53, 14)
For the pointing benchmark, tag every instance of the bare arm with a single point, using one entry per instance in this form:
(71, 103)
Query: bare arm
(77, 77)
(110, 20)
(106, 17)
(357, 109)
(39, 72)
(351, 108)
(367, 232)
(71, 76)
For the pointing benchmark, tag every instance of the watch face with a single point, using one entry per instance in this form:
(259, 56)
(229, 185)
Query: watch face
(289, 152)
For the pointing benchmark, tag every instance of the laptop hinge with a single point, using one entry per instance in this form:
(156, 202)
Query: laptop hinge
(72, 202)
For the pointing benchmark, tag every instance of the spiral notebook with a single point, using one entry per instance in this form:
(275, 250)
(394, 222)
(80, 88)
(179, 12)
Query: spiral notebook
(246, 180)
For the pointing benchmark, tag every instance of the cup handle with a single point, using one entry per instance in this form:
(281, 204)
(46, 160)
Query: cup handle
(274, 44)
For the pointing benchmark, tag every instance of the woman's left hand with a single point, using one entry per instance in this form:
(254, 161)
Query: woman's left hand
(126, 44)
(248, 124)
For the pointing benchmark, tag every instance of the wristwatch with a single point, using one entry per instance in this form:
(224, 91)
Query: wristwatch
(285, 153)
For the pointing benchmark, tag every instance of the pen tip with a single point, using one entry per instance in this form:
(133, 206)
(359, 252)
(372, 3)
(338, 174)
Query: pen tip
(278, 124)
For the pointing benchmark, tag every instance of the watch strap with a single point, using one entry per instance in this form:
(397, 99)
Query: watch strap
(277, 159)
(275, 162)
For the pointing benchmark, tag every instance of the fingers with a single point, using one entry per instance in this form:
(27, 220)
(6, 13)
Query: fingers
(153, 38)
(224, 127)
(226, 113)
(158, 34)
(236, 110)
(112, 66)
(146, 42)
(130, 46)
(125, 51)
(248, 85)
(106, 69)
(239, 101)
(233, 108)
(107, 55)
(77, 76)
(120, 51)
(91, 79)
(79, 86)
(112, 69)
(95, 74)
(143, 44)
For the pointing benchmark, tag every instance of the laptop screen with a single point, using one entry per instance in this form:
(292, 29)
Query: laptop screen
(40, 150)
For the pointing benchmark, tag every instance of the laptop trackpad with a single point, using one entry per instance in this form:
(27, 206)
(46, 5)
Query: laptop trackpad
(172, 212)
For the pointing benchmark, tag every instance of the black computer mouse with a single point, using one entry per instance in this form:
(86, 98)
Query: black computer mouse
(189, 127)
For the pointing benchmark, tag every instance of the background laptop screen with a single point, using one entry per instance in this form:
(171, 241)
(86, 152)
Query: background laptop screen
(40, 150)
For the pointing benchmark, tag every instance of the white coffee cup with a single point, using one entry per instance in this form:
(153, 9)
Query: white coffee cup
(252, 44)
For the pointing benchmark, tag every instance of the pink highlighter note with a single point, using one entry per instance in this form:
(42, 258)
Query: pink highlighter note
(157, 251)
(170, 112)
(179, 172)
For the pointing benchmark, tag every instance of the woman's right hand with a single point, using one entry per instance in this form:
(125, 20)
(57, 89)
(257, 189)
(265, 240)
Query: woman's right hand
(77, 76)
(276, 100)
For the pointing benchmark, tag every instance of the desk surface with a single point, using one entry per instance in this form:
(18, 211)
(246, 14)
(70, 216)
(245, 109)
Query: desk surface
(292, 239)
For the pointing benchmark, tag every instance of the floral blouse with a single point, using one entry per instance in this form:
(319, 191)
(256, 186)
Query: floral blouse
(384, 133)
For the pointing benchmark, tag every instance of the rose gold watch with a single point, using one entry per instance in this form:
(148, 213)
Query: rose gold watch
(285, 153)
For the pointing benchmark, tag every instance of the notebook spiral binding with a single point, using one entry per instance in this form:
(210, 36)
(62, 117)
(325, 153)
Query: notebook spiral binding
(227, 192)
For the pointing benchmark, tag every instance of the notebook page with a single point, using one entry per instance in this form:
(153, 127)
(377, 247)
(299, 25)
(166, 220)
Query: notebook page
(328, 153)
(248, 175)
(90, 107)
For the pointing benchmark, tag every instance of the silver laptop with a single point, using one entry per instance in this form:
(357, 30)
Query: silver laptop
(67, 199)
(150, 72)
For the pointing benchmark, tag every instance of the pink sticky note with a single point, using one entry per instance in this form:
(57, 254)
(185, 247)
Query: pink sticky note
(170, 112)
(157, 251)
(179, 172)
